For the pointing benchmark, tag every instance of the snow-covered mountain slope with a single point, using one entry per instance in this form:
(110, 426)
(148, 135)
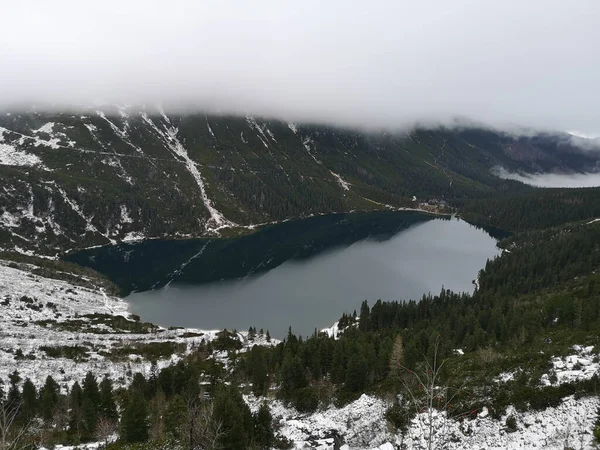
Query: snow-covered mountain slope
(53, 327)
(568, 425)
(361, 425)
(102, 176)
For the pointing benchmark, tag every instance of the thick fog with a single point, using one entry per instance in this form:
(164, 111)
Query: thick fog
(556, 180)
(383, 63)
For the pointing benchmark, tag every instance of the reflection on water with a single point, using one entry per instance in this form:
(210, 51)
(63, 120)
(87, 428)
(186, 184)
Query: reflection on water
(156, 263)
(314, 293)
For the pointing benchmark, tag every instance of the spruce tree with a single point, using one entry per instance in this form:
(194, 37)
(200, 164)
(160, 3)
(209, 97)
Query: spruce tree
(165, 381)
(364, 318)
(14, 397)
(263, 428)
(338, 365)
(108, 407)
(258, 369)
(49, 398)
(90, 405)
(75, 414)
(139, 384)
(356, 373)
(233, 413)
(134, 420)
(176, 416)
(292, 375)
(30, 400)
(90, 389)
(89, 416)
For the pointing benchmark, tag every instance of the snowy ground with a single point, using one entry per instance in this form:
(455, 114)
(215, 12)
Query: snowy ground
(583, 364)
(362, 426)
(361, 423)
(568, 425)
(26, 300)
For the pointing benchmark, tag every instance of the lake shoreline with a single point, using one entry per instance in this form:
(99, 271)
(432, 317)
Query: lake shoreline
(313, 293)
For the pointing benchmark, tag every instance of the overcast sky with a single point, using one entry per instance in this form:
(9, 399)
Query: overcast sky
(391, 63)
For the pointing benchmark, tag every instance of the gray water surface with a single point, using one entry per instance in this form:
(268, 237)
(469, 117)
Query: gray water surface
(314, 293)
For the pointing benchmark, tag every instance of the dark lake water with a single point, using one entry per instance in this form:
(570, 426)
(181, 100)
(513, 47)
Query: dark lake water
(295, 276)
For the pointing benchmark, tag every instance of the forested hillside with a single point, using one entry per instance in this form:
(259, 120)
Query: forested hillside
(504, 346)
(534, 209)
(99, 177)
(544, 289)
(523, 341)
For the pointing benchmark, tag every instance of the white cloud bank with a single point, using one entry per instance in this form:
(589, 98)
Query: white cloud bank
(551, 180)
(367, 62)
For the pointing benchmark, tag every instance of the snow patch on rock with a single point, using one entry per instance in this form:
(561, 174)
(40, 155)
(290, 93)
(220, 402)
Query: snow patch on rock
(579, 366)
(11, 156)
(333, 331)
(361, 423)
(169, 136)
(125, 215)
(343, 183)
(551, 429)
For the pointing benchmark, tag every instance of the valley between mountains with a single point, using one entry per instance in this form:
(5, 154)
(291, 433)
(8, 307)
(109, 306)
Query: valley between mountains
(520, 352)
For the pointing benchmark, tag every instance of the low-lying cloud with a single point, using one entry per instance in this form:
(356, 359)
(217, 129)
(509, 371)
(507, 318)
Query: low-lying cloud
(585, 143)
(551, 180)
(383, 63)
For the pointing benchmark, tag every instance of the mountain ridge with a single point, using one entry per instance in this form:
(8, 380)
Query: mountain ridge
(96, 178)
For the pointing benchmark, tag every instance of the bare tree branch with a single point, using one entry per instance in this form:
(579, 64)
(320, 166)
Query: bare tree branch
(12, 434)
(430, 400)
